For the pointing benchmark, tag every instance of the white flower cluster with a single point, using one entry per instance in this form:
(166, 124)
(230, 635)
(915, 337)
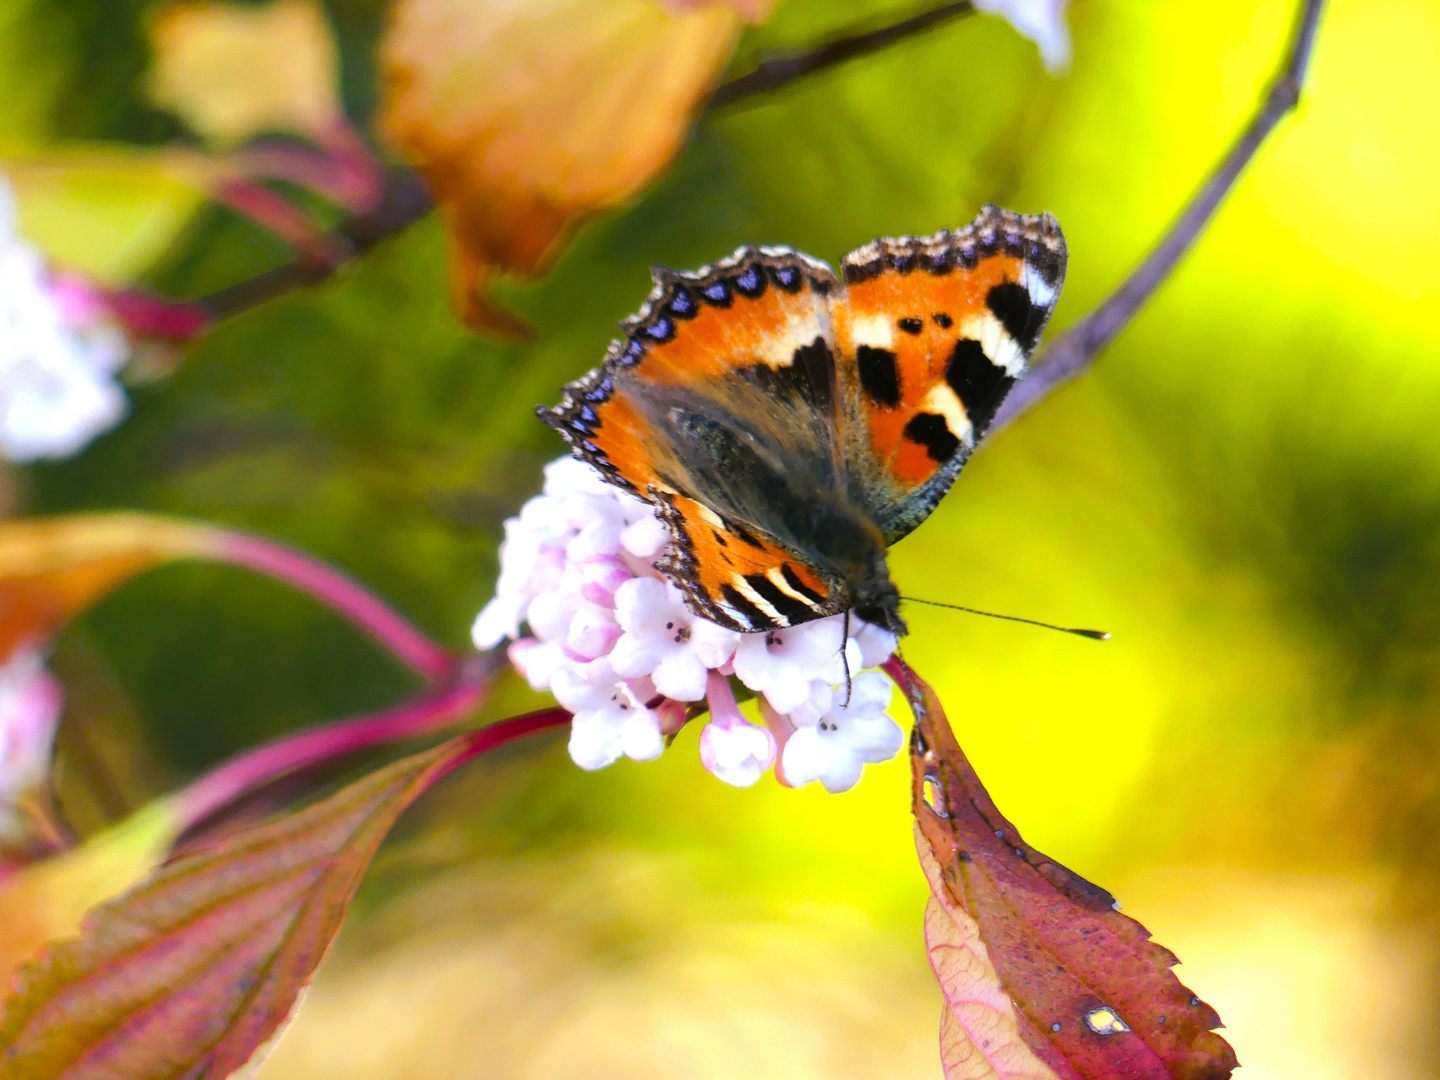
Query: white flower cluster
(1042, 21)
(614, 642)
(58, 355)
(30, 703)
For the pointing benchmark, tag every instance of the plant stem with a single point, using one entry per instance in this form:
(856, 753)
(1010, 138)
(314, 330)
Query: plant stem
(778, 71)
(265, 764)
(483, 740)
(342, 594)
(1072, 353)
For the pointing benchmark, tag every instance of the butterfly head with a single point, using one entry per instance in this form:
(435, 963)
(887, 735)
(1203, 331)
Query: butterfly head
(876, 598)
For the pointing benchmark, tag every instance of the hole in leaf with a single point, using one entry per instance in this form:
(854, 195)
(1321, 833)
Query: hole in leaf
(934, 796)
(1105, 1021)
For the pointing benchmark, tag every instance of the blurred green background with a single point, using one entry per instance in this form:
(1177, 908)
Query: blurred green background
(1246, 492)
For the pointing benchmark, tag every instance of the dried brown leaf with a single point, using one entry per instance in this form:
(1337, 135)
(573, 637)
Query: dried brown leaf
(528, 116)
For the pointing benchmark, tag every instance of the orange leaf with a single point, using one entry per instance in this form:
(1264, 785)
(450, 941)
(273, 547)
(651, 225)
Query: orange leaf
(200, 966)
(1093, 997)
(50, 570)
(528, 117)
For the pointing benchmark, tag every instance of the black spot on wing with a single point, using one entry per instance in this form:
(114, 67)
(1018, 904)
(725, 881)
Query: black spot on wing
(750, 615)
(806, 379)
(743, 535)
(793, 580)
(911, 326)
(932, 432)
(979, 384)
(792, 610)
(879, 374)
(1010, 301)
(942, 320)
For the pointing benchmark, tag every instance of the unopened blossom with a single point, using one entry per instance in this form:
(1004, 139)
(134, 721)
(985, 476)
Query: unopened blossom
(836, 746)
(731, 747)
(1042, 21)
(58, 355)
(30, 704)
(588, 617)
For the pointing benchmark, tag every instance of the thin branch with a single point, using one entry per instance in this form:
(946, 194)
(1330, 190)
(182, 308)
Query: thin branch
(780, 71)
(239, 777)
(341, 593)
(1070, 354)
(404, 202)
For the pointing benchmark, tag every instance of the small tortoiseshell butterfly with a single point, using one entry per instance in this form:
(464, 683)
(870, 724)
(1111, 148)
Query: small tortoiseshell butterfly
(788, 427)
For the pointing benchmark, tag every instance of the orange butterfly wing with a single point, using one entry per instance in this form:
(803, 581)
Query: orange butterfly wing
(933, 333)
(747, 342)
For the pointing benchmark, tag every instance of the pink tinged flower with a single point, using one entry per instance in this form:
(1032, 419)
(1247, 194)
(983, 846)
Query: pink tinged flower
(551, 613)
(822, 696)
(30, 703)
(835, 748)
(1042, 21)
(735, 750)
(598, 521)
(57, 385)
(783, 664)
(592, 633)
(600, 577)
(537, 661)
(663, 640)
(875, 643)
(616, 725)
(645, 537)
(570, 476)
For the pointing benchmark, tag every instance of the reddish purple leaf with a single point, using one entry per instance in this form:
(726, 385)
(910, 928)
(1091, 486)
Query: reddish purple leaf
(199, 966)
(1094, 997)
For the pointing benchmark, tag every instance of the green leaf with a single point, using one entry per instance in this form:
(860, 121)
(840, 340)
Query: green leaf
(201, 965)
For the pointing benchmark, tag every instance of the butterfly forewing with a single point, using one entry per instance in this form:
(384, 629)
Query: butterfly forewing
(933, 333)
(717, 406)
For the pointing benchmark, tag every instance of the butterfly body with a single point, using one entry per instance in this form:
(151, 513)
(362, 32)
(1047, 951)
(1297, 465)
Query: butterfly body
(789, 425)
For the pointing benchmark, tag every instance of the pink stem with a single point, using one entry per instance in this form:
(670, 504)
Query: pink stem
(344, 171)
(483, 740)
(781, 727)
(144, 315)
(276, 213)
(341, 593)
(266, 764)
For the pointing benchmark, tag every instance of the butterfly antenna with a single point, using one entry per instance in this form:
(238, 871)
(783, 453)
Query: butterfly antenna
(845, 657)
(1093, 635)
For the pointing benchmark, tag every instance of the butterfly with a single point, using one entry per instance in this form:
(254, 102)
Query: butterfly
(789, 424)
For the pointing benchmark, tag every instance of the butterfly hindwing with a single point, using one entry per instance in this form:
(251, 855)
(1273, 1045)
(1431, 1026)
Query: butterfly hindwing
(736, 578)
(933, 333)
